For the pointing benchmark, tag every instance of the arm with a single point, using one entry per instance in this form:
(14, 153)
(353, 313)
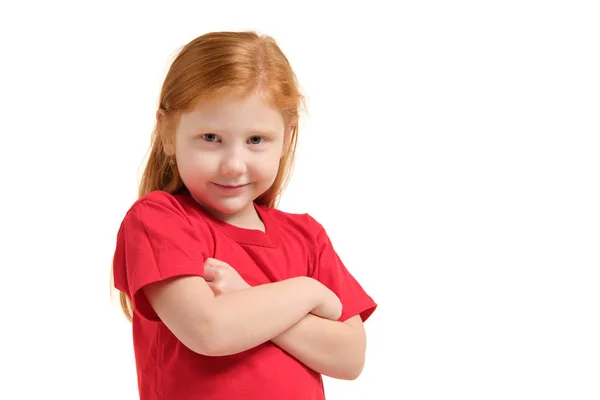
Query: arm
(332, 348)
(319, 341)
(236, 321)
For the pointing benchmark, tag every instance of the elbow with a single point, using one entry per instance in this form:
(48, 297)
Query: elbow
(212, 344)
(207, 347)
(212, 339)
(206, 339)
(354, 366)
(211, 351)
(354, 375)
(203, 344)
(351, 372)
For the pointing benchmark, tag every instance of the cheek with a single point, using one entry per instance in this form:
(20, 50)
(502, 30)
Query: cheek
(266, 167)
(194, 158)
(194, 166)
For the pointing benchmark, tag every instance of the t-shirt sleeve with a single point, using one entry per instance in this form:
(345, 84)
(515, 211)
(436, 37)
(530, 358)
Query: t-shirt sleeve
(330, 271)
(156, 241)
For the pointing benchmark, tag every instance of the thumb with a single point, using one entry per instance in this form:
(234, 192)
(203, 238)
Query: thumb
(209, 271)
(210, 261)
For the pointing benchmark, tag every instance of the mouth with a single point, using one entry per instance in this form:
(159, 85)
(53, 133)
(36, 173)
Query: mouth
(230, 186)
(230, 189)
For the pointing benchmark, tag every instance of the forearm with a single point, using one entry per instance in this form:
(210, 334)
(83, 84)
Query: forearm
(247, 318)
(328, 347)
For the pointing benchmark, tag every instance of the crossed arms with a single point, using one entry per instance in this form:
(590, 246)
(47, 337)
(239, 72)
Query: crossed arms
(221, 314)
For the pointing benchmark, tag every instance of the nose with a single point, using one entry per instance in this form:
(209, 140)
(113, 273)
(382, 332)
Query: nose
(233, 165)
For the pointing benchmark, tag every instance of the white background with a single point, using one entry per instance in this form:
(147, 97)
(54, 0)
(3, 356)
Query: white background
(451, 150)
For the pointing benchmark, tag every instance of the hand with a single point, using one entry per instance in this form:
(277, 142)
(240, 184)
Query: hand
(330, 307)
(222, 277)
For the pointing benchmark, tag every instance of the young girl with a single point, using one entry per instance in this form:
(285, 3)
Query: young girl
(229, 297)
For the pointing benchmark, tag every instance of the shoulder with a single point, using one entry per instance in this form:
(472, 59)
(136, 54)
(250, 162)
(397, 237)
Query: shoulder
(158, 198)
(165, 217)
(303, 222)
(161, 202)
(161, 208)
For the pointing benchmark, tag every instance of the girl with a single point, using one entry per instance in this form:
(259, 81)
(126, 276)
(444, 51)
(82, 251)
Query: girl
(229, 297)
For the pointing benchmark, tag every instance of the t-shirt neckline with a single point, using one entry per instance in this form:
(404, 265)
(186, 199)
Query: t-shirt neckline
(255, 237)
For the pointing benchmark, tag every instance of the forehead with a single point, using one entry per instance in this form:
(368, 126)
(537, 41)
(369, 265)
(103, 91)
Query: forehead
(234, 113)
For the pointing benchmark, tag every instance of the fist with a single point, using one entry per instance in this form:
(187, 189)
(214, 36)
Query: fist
(222, 277)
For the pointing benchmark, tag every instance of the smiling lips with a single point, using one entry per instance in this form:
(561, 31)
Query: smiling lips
(230, 188)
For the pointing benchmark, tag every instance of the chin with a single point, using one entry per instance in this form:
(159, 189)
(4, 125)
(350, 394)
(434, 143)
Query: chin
(225, 207)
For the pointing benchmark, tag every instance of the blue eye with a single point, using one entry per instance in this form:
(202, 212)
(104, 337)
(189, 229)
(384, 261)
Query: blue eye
(256, 140)
(210, 137)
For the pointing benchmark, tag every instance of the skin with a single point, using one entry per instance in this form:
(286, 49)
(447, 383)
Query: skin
(231, 141)
(333, 348)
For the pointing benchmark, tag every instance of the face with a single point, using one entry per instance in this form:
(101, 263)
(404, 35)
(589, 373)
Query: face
(228, 153)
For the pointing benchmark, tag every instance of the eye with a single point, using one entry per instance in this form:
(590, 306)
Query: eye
(256, 139)
(210, 137)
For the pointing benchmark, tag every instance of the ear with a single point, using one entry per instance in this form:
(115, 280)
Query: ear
(164, 136)
(160, 115)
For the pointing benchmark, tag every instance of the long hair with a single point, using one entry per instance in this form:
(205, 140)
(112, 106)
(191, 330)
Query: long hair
(213, 65)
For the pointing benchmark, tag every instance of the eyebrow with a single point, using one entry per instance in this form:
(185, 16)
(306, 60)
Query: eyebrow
(252, 132)
(262, 133)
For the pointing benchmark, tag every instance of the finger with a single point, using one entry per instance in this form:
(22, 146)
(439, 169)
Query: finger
(210, 261)
(209, 272)
(219, 263)
(213, 272)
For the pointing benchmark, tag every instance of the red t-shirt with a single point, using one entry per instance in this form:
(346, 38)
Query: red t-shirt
(165, 235)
